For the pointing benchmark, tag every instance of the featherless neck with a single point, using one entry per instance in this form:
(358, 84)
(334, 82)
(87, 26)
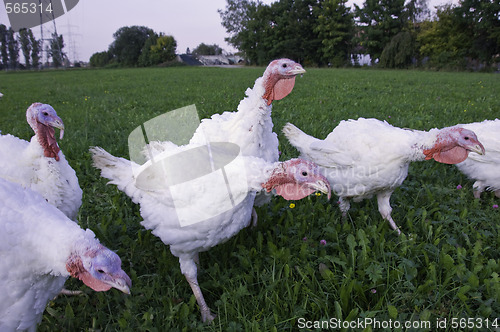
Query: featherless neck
(422, 140)
(258, 172)
(253, 108)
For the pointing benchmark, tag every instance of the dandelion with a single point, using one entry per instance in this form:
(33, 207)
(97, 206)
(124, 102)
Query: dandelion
(323, 242)
(292, 205)
(318, 194)
(495, 206)
(459, 187)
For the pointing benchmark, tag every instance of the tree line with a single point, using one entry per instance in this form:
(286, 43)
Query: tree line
(136, 46)
(394, 33)
(11, 43)
(140, 46)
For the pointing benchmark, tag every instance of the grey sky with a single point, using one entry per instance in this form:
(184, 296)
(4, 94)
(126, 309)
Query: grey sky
(89, 27)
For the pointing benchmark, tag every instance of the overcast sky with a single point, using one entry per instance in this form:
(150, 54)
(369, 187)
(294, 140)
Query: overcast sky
(89, 27)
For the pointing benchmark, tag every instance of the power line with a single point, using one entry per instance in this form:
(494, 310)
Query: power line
(47, 42)
(70, 42)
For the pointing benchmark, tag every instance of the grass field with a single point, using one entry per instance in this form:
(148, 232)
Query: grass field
(446, 265)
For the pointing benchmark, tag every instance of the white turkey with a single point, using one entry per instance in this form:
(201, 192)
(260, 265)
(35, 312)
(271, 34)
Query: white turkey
(251, 127)
(367, 157)
(39, 249)
(194, 199)
(485, 169)
(39, 164)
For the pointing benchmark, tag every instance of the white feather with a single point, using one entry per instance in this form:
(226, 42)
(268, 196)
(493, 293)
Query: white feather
(24, 163)
(251, 127)
(36, 239)
(485, 169)
(364, 156)
(160, 212)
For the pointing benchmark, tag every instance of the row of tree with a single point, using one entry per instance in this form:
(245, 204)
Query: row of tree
(141, 46)
(395, 33)
(11, 43)
(136, 46)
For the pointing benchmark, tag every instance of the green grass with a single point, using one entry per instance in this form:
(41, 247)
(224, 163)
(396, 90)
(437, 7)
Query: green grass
(446, 265)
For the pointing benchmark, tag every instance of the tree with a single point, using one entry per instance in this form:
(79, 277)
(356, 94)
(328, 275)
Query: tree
(481, 18)
(236, 18)
(250, 25)
(381, 21)
(283, 29)
(100, 59)
(292, 32)
(55, 50)
(309, 31)
(254, 40)
(157, 49)
(399, 52)
(335, 28)
(128, 43)
(24, 39)
(445, 41)
(164, 49)
(13, 49)
(144, 59)
(204, 49)
(3, 46)
(417, 11)
(35, 50)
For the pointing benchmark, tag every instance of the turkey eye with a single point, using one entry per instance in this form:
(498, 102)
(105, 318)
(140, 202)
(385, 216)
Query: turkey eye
(304, 173)
(101, 271)
(45, 113)
(283, 65)
(466, 138)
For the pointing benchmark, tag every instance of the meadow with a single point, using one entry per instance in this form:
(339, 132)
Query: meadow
(280, 275)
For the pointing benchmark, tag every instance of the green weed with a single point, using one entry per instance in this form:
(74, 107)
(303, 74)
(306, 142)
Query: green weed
(446, 264)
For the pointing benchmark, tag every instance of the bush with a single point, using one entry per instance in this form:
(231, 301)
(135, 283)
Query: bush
(399, 52)
(100, 59)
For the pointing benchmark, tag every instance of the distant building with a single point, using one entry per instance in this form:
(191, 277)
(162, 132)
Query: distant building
(210, 60)
(189, 60)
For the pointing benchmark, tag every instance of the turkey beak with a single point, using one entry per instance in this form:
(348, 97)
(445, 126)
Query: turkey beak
(122, 286)
(478, 148)
(122, 283)
(323, 186)
(297, 69)
(56, 122)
